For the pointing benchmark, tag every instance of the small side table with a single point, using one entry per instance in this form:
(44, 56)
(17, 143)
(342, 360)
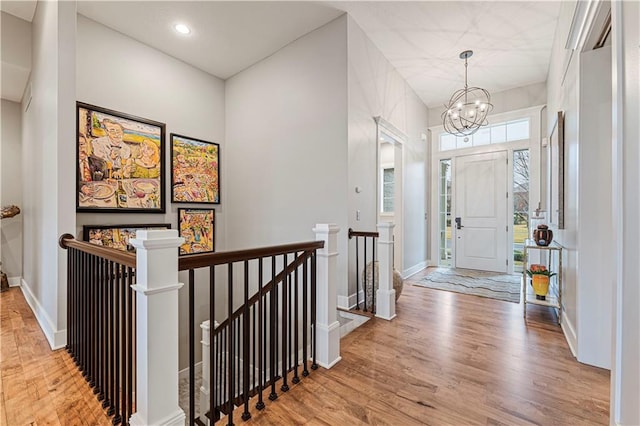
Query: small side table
(554, 297)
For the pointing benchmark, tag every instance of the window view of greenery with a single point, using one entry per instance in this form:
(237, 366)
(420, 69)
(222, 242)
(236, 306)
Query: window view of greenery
(444, 212)
(387, 190)
(520, 206)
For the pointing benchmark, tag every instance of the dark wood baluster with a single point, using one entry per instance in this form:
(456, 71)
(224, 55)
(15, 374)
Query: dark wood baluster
(358, 275)
(305, 315)
(212, 365)
(245, 353)
(273, 294)
(130, 346)
(285, 386)
(100, 311)
(373, 276)
(290, 323)
(117, 350)
(192, 348)
(296, 317)
(261, 333)
(230, 345)
(364, 276)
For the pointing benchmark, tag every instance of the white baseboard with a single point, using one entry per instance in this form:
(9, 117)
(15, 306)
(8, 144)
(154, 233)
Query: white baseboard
(349, 302)
(57, 338)
(414, 269)
(14, 281)
(569, 334)
(184, 374)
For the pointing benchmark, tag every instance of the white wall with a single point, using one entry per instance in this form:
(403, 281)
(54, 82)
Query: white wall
(10, 189)
(625, 386)
(119, 73)
(377, 89)
(563, 96)
(595, 228)
(286, 140)
(16, 55)
(47, 165)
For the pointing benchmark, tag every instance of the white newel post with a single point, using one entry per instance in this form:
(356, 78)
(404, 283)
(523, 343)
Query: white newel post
(328, 327)
(386, 294)
(205, 389)
(157, 328)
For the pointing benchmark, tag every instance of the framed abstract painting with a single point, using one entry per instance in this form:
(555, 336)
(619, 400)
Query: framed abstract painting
(197, 227)
(116, 236)
(195, 170)
(120, 162)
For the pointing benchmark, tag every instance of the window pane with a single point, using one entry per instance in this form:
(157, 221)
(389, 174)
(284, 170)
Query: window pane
(388, 188)
(460, 143)
(518, 130)
(444, 217)
(447, 142)
(499, 133)
(520, 206)
(482, 137)
(387, 176)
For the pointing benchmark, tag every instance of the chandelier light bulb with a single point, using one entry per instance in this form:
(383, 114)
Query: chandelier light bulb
(471, 106)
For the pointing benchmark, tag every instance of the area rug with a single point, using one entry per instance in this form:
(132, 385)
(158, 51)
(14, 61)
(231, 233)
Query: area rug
(493, 285)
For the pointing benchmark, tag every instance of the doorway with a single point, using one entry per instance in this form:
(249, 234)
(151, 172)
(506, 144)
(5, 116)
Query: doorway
(480, 218)
(390, 183)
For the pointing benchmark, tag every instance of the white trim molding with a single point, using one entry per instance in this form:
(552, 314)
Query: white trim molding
(57, 338)
(569, 334)
(414, 269)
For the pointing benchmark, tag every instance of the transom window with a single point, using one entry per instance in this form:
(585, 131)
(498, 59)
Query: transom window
(509, 131)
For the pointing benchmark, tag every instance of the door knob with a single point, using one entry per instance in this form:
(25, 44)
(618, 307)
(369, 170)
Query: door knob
(459, 223)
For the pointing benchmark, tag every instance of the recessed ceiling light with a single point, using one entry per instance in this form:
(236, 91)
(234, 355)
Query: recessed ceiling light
(182, 28)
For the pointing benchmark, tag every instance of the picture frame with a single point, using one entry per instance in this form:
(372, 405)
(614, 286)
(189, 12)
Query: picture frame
(119, 162)
(556, 175)
(117, 236)
(195, 170)
(197, 227)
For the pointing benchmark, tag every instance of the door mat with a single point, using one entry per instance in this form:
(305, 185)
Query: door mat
(493, 285)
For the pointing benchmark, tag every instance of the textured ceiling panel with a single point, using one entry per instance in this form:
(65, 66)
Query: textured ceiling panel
(422, 40)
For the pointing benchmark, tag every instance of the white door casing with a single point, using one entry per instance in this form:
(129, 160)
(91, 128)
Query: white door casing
(481, 204)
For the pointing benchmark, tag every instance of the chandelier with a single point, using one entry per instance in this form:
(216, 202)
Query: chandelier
(468, 108)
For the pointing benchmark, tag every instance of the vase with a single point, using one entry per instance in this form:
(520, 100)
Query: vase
(540, 286)
(542, 235)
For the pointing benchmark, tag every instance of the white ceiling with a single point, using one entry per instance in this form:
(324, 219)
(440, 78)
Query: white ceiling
(422, 39)
(226, 37)
(511, 42)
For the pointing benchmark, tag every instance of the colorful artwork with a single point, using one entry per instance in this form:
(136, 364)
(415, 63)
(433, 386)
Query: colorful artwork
(195, 170)
(120, 162)
(197, 228)
(116, 236)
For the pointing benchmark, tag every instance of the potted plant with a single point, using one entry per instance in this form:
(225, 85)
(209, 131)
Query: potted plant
(540, 280)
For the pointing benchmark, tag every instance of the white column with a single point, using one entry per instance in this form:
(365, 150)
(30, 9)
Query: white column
(327, 325)
(157, 328)
(386, 294)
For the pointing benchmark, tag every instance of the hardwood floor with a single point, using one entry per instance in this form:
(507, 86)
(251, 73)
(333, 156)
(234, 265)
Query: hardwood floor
(39, 386)
(447, 359)
(450, 359)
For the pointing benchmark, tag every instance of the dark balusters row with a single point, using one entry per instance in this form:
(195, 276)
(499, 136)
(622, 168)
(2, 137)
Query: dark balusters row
(101, 329)
(369, 239)
(266, 338)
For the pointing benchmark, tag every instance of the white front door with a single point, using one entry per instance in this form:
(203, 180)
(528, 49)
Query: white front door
(481, 210)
